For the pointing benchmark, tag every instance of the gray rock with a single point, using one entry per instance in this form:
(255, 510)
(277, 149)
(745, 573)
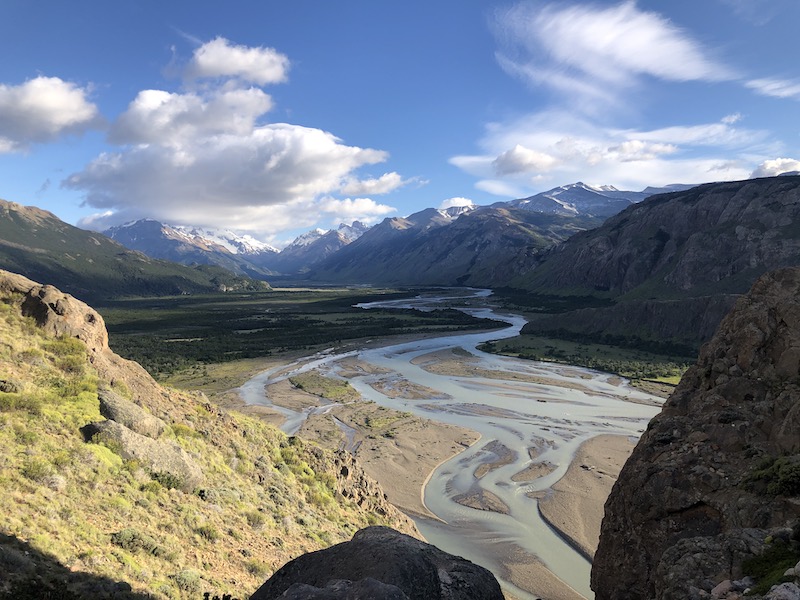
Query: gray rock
(115, 407)
(690, 489)
(345, 590)
(158, 456)
(394, 560)
(784, 591)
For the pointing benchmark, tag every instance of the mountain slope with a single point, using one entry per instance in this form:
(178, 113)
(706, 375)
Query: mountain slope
(581, 199)
(114, 487)
(37, 244)
(484, 247)
(190, 246)
(672, 260)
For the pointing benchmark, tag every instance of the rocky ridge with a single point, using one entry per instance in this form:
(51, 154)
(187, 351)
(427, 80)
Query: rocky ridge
(718, 470)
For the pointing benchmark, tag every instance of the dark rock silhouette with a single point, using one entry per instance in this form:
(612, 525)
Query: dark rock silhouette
(707, 481)
(380, 563)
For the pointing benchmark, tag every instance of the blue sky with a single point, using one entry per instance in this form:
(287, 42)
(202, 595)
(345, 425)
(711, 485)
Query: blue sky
(271, 118)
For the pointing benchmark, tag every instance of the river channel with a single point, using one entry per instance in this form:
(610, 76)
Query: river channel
(540, 413)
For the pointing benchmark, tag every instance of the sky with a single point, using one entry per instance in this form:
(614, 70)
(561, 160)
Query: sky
(270, 118)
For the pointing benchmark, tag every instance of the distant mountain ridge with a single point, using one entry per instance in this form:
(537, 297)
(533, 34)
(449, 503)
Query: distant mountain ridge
(193, 246)
(37, 244)
(673, 264)
(582, 199)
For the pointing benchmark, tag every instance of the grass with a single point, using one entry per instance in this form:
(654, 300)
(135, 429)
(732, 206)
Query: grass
(176, 334)
(633, 364)
(78, 507)
(325, 387)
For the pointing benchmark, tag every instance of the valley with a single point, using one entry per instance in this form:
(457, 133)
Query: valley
(468, 443)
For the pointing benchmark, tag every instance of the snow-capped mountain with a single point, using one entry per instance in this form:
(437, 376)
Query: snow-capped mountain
(194, 246)
(234, 243)
(582, 199)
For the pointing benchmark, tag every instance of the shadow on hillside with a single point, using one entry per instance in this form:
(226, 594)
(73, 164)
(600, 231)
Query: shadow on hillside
(29, 574)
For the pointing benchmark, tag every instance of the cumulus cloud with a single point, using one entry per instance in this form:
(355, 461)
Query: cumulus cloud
(221, 58)
(206, 156)
(588, 50)
(173, 119)
(227, 178)
(777, 166)
(777, 88)
(455, 202)
(522, 160)
(42, 110)
(347, 210)
(388, 182)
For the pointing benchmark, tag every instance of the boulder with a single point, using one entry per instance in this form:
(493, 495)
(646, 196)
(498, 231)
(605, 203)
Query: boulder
(716, 463)
(160, 457)
(395, 561)
(115, 407)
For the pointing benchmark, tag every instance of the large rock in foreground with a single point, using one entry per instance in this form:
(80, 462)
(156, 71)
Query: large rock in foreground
(380, 563)
(719, 465)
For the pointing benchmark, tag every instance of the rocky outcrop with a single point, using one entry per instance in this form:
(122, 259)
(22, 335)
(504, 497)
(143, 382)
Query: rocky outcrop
(380, 563)
(116, 408)
(161, 458)
(719, 466)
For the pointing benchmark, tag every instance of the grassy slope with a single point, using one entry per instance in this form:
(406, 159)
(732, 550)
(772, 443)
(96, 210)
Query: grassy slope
(71, 510)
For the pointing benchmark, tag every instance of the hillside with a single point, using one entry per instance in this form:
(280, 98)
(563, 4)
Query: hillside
(485, 247)
(116, 487)
(39, 245)
(674, 263)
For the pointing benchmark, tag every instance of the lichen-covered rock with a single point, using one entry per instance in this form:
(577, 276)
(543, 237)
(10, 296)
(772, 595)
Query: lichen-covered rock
(718, 460)
(160, 457)
(397, 561)
(115, 407)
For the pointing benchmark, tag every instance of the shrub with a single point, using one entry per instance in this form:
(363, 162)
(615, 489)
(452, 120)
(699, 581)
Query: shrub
(134, 541)
(35, 468)
(187, 580)
(208, 532)
(168, 480)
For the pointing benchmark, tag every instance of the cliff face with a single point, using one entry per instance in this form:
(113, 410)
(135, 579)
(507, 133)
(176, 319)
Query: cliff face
(715, 238)
(719, 465)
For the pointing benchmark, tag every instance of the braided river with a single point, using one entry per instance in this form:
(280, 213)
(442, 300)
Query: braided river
(529, 414)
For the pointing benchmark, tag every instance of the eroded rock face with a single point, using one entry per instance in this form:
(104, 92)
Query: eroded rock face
(691, 485)
(386, 562)
(115, 407)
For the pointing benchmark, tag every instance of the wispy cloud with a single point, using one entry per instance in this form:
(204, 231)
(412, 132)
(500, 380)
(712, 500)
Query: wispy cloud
(595, 51)
(42, 110)
(777, 88)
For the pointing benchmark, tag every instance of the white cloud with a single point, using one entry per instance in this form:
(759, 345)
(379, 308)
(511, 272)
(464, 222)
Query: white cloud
(43, 109)
(589, 50)
(388, 182)
(634, 150)
(776, 166)
(220, 58)
(347, 210)
(222, 180)
(523, 160)
(159, 117)
(455, 202)
(777, 88)
(626, 158)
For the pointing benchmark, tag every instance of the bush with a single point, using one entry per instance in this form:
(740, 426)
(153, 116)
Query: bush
(134, 541)
(208, 532)
(187, 580)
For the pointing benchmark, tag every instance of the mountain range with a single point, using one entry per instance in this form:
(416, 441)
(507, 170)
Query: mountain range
(89, 265)
(316, 253)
